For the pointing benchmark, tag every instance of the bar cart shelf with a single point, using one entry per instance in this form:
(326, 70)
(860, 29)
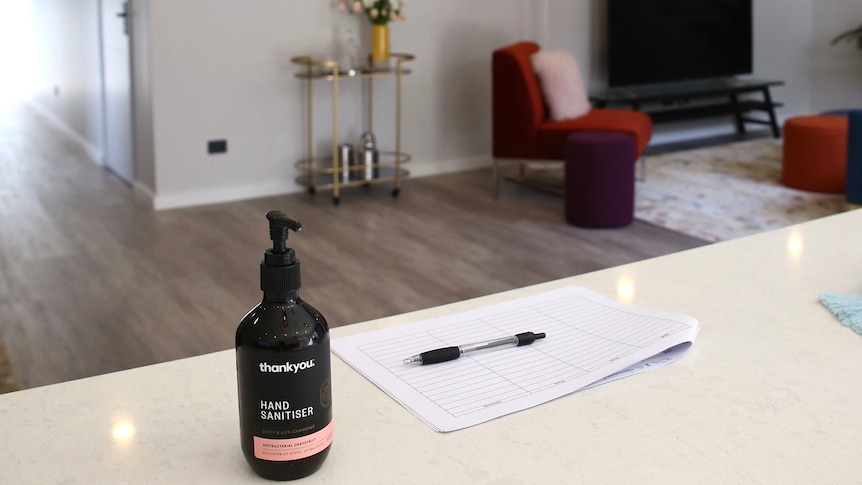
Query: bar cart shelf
(321, 173)
(324, 172)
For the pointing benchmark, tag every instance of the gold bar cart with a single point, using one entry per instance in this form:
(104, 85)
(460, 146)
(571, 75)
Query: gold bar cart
(323, 172)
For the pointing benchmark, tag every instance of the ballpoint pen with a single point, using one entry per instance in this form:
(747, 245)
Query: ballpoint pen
(451, 353)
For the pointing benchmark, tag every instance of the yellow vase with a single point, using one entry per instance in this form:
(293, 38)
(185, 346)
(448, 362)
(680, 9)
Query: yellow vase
(379, 43)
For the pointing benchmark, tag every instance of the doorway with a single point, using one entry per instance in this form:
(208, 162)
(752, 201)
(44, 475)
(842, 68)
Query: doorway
(73, 66)
(17, 51)
(117, 88)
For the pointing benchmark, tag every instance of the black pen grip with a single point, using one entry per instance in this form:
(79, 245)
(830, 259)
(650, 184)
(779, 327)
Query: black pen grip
(440, 355)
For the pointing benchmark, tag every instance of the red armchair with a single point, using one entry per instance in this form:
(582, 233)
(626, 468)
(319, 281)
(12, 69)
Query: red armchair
(522, 130)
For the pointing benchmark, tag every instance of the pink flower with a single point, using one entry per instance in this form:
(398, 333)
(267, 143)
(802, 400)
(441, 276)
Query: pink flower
(357, 7)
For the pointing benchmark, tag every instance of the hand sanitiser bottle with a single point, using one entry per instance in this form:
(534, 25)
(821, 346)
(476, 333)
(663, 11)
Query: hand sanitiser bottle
(283, 373)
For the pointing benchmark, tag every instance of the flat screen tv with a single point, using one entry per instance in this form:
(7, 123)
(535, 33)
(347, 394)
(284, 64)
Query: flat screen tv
(658, 41)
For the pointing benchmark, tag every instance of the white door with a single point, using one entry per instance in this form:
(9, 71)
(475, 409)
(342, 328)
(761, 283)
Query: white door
(117, 86)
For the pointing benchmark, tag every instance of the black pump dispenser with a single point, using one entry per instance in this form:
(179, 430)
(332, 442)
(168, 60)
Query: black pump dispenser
(283, 369)
(279, 270)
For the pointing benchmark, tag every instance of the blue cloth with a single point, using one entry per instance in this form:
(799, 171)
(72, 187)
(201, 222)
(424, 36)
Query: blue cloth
(848, 308)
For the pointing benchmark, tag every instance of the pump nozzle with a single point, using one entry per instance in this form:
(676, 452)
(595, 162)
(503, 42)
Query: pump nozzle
(279, 270)
(279, 225)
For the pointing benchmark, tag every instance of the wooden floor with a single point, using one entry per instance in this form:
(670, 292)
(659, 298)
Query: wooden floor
(90, 283)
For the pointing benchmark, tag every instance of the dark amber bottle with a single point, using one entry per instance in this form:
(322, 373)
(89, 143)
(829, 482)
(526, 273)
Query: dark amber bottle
(283, 370)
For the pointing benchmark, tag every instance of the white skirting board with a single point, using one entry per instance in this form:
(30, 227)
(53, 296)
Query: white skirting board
(93, 152)
(146, 197)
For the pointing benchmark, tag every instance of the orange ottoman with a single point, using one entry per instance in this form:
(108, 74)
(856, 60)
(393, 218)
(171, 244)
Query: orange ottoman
(815, 153)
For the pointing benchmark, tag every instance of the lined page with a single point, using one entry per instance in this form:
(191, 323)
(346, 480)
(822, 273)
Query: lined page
(589, 337)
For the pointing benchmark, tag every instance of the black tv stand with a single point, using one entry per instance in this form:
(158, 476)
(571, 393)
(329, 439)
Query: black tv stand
(674, 101)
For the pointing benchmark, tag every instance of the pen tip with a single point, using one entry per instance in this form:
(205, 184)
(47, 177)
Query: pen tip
(540, 335)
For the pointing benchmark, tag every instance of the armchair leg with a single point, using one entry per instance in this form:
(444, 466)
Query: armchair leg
(642, 163)
(495, 176)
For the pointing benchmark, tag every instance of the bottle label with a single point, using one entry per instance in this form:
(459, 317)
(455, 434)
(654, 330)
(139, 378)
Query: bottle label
(285, 401)
(293, 448)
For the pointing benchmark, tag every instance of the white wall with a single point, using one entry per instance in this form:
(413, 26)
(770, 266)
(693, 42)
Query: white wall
(68, 69)
(142, 99)
(782, 34)
(835, 71)
(220, 69)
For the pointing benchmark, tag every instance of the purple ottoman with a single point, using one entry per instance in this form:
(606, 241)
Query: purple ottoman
(600, 178)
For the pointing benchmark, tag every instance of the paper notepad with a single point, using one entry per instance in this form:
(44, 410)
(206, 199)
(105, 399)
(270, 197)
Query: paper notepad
(590, 339)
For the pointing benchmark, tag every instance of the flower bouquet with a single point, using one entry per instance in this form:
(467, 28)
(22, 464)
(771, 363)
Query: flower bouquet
(379, 12)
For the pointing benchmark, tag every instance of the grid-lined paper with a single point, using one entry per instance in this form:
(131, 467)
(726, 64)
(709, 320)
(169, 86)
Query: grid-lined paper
(589, 337)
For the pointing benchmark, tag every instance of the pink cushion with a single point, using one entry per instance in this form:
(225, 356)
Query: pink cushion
(562, 84)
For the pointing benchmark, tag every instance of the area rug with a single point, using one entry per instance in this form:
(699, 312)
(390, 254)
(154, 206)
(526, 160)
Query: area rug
(726, 192)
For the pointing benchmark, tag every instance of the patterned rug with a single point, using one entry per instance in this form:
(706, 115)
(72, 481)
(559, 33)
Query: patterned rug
(726, 192)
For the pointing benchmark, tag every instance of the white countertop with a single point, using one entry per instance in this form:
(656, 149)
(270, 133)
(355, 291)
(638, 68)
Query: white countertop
(771, 392)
